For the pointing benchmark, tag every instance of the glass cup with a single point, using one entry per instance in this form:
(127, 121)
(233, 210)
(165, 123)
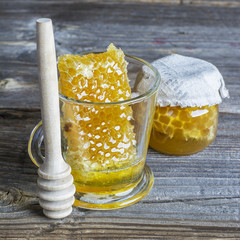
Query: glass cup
(106, 144)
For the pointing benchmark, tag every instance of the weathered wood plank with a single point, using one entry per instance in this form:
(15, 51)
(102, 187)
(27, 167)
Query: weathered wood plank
(190, 194)
(194, 197)
(225, 3)
(213, 35)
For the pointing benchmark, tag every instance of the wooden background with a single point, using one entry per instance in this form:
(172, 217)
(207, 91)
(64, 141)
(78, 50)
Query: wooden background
(194, 197)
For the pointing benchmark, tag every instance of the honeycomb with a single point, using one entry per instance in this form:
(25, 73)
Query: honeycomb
(95, 77)
(97, 137)
(183, 131)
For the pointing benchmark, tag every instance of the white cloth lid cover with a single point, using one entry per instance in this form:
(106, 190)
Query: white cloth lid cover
(186, 82)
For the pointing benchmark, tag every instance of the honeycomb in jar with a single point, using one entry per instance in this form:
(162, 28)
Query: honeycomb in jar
(99, 137)
(183, 131)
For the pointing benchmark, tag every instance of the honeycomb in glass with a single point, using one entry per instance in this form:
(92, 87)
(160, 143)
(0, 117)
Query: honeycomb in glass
(98, 137)
(183, 131)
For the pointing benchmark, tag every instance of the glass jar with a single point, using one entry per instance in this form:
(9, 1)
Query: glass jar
(183, 131)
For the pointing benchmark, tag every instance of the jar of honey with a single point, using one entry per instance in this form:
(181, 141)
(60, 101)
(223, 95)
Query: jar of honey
(183, 131)
(186, 115)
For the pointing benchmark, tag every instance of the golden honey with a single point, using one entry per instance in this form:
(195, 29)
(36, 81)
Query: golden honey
(108, 181)
(183, 131)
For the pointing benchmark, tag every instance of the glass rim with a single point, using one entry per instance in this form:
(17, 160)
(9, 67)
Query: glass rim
(139, 98)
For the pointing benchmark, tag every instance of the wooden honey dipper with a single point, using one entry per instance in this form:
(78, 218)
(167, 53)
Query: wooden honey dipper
(55, 182)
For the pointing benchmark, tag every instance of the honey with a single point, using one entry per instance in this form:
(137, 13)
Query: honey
(183, 131)
(99, 139)
(108, 181)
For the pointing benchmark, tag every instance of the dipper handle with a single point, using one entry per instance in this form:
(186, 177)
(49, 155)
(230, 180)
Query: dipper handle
(48, 81)
(54, 170)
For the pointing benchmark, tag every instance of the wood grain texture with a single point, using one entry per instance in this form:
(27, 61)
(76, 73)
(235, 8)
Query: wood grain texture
(194, 197)
(225, 3)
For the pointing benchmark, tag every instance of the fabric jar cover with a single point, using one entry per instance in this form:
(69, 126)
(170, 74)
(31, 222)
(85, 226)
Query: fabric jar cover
(185, 82)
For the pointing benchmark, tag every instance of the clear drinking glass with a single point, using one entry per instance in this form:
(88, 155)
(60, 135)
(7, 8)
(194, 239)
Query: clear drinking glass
(106, 144)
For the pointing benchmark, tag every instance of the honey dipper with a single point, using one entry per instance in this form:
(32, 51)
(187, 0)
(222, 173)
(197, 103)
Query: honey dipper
(55, 182)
